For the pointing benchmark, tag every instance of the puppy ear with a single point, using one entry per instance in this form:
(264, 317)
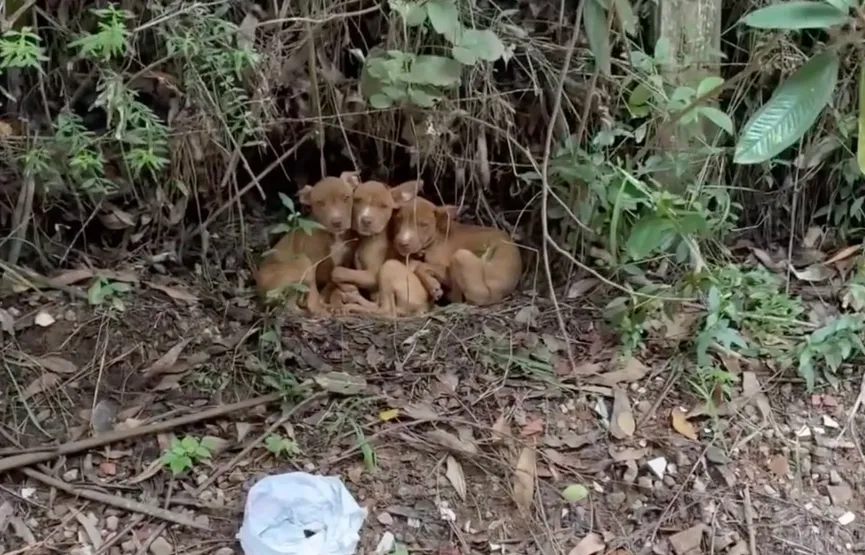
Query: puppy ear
(406, 192)
(446, 214)
(351, 178)
(303, 195)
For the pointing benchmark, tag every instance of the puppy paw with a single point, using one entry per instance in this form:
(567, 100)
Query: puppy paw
(339, 274)
(436, 291)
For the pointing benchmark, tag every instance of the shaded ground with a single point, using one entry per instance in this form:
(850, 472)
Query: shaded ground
(426, 426)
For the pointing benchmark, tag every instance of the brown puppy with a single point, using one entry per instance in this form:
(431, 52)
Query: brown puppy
(373, 206)
(478, 264)
(309, 258)
(400, 293)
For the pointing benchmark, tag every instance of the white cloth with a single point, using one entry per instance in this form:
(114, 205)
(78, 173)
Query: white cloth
(282, 510)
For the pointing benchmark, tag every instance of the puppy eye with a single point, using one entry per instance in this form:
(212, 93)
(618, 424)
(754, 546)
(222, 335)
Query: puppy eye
(346, 197)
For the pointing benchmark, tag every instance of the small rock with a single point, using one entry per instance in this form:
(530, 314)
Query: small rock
(617, 499)
(687, 541)
(224, 551)
(70, 475)
(161, 546)
(658, 466)
(631, 472)
(846, 518)
(111, 523)
(202, 520)
(715, 455)
(385, 518)
(385, 544)
(803, 431)
(128, 546)
(830, 422)
(645, 482)
(840, 495)
(669, 481)
(821, 453)
(834, 477)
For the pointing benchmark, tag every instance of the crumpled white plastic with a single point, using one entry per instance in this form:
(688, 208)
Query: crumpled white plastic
(300, 514)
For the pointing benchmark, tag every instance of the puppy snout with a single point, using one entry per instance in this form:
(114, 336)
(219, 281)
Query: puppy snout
(365, 221)
(337, 222)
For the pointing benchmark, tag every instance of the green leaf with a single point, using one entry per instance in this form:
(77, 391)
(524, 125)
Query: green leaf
(434, 70)
(796, 15)
(444, 18)
(413, 14)
(790, 112)
(399, 549)
(646, 236)
(716, 116)
(575, 492)
(708, 84)
(380, 101)
(626, 15)
(397, 94)
(421, 98)
(477, 45)
(595, 24)
(287, 202)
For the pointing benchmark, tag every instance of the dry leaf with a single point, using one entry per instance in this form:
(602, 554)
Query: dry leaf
(765, 259)
(69, 277)
(43, 319)
(581, 287)
(687, 542)
(628, 454)
(680, 423)
(342, 383)
(166, 361)
(176, 293)
(632, 371)
(41, 384)
(152, 469)
(592, 543)
(451, 442)
(21, 530)
(57, 364)
(811, 237)
(779, 465)
(420, 411)
(622, 424)
(534, 426)
(843, 254)
(501, 430)
(813, 273)
(7, 322)
(524, 479)
(456, 477)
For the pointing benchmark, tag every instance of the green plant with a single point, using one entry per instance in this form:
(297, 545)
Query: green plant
(370, 460)
(393, 77)
(184, 453)
(103, 290)
(294, 220)
(281, 446)
(832, 344)
(21, 49)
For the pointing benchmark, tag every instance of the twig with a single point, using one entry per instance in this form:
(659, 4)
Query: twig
(115, 501)
(545, 180)
(749, 522)
(27, 459)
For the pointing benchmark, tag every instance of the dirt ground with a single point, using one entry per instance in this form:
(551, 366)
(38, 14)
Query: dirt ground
(463, 432)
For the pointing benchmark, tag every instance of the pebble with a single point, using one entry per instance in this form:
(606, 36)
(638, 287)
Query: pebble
(385, 518)
(70, 475)
(821, 453)
(161, 546)
(128, 546)
(111, 523)
(617, 499)
(224, 551)
(645, 482)
(840, 495)
(834, 477)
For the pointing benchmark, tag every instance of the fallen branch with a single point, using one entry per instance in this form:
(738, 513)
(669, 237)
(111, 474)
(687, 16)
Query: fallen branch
(115, 501)
(27, 459)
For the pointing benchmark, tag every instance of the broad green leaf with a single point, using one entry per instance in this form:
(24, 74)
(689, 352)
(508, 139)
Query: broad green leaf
(796, 15)
(792, 110)
(842, 5)
(444, 18)
(477, 45)
(412, 13)
(394, 93)
(286, 201)
(646, 236)
(434, 70)
(380, 101)
(717, 117)
(595, 24)
(860, 142)
(575, 492)
(420, 97)
(663, 51)
(626, 15)
(708, 84)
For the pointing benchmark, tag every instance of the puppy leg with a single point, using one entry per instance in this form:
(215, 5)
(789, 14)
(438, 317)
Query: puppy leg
(467, 274)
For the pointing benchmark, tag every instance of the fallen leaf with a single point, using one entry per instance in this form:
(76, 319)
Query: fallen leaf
(622, 423)
(779, 465)
(125, 276)
(43, 319)
(152, 469)
(843, 254)
(21, 530)
(575, 492)
(527, 315)
(811, 237)
(242, 429)
(374, 357)
(341, 383)
(680, 423)
(7, 322)
(420, 411)
(687, 542)
(628, 453)
(592, 543)
(501, 430)
(456, 477)
(586, 369)
(534, 426)
(813, 273)
(166, 361)
(57, 364)
(388, 414)
(69, 277)
(176, 293)
(108, 468)
(451, 442)
(631, 371)
(765, 259)
(41, 384)
(524, 479)
(581, 287)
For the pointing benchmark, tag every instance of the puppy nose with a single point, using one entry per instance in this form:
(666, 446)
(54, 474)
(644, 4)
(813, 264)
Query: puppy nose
(336, 222)
(402, 242)
(366, 221)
